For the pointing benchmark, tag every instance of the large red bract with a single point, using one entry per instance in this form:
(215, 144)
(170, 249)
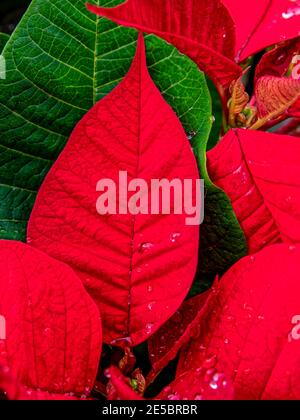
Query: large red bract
(260, 173)
(249, 327)
(137, 268)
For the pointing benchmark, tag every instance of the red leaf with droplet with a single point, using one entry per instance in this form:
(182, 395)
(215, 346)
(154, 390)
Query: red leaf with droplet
(198, 384)
(119, 386)
(200, 29)
(277, 61)
(263, 23)
(13, 390)
(275, 95)
(260, 173)
(50, 327)
(137, 268)
(166, 342)
(251, 326)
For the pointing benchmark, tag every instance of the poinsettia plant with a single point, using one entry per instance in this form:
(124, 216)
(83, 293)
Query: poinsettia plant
(148, 304)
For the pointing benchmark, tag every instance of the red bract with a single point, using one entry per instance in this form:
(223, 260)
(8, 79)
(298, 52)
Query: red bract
(166, 342)
(260, 173)
(13, 390)
(263, 23)
(119, 386)
(137, 268)
(277, 61)
(202, 383)
(51, 331)
(202, 30)
(277, 95)
(250, 326)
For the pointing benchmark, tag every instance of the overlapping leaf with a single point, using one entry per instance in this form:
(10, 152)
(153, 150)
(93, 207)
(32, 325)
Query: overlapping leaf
(201, 383)
(277, 61)
(260, 173)
(202, 30)
(166, 342)
(138, 268)
(263, 23)
(52, 330)
(250, 327)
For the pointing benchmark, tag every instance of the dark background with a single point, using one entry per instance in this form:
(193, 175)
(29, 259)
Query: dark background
(10, 13)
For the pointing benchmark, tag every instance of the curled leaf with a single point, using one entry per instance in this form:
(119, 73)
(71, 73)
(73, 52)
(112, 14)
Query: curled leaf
(239, 98)
(275, 95)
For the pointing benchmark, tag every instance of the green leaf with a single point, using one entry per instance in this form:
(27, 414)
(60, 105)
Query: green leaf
(3, 40)
(217, 111)
(61, 59)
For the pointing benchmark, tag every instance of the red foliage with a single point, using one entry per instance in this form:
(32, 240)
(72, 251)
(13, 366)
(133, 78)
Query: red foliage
(137, 268)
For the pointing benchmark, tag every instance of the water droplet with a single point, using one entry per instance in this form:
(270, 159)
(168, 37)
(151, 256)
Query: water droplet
(292, 248)
(261, 318)
(291, 12)
(191, 135)
(150, 306)
(213, 118)
(226, 341)
(149, 288)
(281, 58)
(107, 373)
(174, 396)
(47, 331)
(252, 258)
(139, 270)
(208, 374)
(149, 328)
(213, 385)
(288, 199)
(198, 397)
(175, 236)
(247, 307)
(145, 246)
